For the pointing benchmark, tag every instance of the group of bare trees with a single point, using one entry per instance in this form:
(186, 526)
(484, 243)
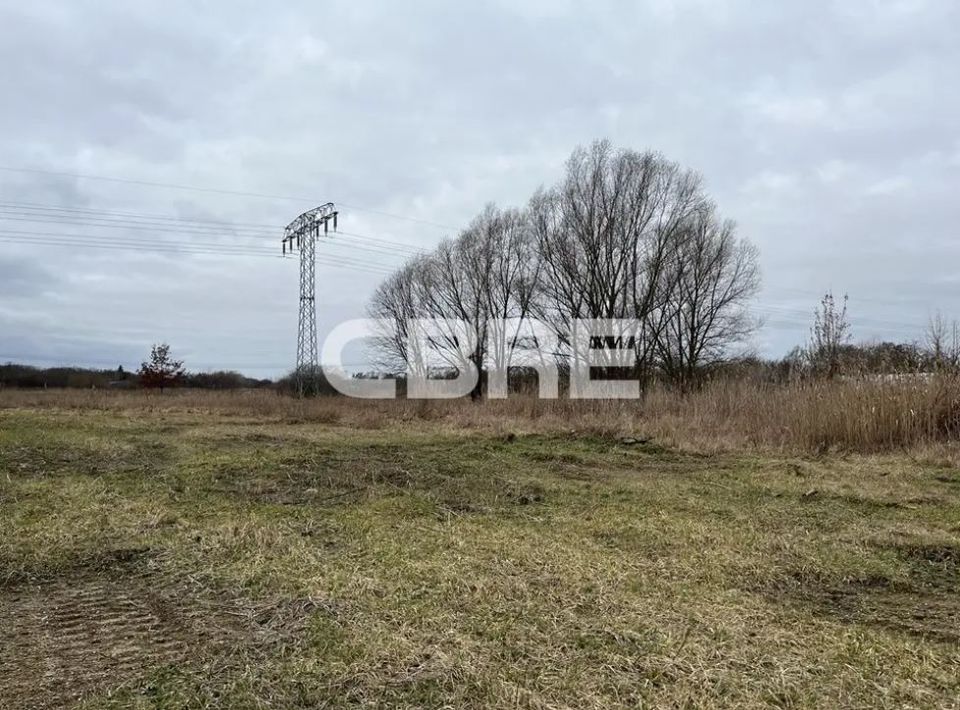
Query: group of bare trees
(831, 353)
(624, 236)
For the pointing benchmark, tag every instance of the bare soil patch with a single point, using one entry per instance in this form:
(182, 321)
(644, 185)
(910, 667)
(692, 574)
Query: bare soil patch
(930, 612)
(114, 619)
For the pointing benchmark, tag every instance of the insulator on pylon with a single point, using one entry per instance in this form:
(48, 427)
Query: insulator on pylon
(326, 227)
(334, 221)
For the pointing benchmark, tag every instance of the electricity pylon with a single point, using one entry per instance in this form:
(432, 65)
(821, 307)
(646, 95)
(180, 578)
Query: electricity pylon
(302, 235)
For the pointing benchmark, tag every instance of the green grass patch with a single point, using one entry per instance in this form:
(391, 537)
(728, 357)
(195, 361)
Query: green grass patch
(312, 565)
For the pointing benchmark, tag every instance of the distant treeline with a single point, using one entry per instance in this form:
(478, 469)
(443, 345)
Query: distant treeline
(852, 360)
(863, 359)
(28, 377)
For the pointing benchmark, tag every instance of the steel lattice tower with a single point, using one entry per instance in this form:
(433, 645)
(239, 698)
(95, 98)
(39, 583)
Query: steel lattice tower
(302, 235)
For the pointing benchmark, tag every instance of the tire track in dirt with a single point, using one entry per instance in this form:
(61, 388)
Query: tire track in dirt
(113, 618)
(61, 641)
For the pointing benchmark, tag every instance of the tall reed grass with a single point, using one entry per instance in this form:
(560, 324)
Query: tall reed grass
(870, 415)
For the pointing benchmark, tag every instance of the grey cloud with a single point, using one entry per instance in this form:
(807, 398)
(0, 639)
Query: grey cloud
(826, 129)
(23, 278)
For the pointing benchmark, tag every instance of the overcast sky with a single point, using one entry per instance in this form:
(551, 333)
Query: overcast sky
(828, 130)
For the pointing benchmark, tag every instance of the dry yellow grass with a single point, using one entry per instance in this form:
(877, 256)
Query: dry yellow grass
(866, 416)
(246, 551)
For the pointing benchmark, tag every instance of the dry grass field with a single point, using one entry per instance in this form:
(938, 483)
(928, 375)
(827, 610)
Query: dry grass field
(251, 551)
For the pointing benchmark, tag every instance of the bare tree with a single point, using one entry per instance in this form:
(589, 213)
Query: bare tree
(485, 278)
(510, 285)
(469, 286)
(943, 343)
(450, 294)
(706, 312)
(395, 303)
(830, 332)
(605, 234)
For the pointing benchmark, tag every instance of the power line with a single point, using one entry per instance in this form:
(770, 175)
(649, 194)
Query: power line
(818, 294)
(358, 242)
(122, 224)
(93, 219)
(374, 248)
(36, 206)
(28, 209)
(157, 223)
(417, 220)
(786, 311)
(217, 191)
(172, 247)
(186, 250)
